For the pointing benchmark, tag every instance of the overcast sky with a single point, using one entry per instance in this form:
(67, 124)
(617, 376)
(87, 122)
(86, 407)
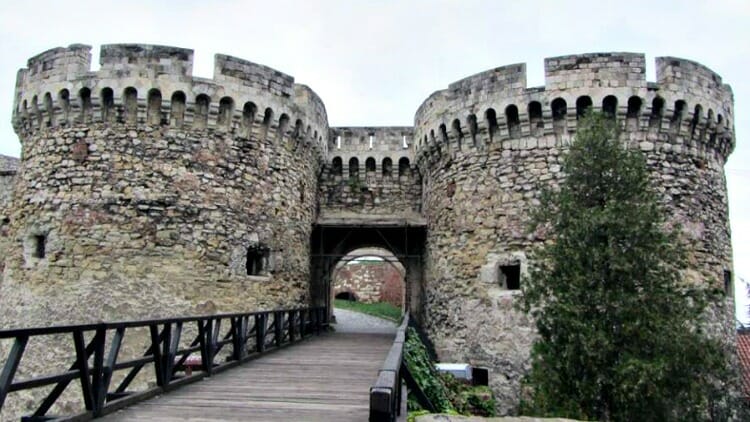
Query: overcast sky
(374, 62)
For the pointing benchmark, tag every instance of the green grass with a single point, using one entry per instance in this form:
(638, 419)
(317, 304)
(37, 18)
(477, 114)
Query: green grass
(380, 309)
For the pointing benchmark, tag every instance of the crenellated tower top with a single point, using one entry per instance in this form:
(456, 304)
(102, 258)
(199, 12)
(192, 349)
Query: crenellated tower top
(687, 100)
(154, 85)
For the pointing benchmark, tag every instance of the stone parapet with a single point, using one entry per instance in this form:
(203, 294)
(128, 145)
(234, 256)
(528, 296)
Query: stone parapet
(370, 171)
(688, 101)
(152, 85)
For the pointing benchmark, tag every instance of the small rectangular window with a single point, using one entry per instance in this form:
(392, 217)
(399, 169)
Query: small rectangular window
(510, 276)
(257, 260)
(40, 246)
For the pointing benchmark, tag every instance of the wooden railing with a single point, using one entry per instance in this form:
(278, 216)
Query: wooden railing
(248, 335)
(385, 394)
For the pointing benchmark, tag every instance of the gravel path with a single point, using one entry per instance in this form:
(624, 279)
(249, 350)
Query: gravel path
(355, 322)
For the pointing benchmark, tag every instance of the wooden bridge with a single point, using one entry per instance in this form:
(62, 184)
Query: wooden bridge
(325, 376)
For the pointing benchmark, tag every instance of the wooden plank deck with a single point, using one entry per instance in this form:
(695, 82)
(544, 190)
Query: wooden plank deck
(325, 378)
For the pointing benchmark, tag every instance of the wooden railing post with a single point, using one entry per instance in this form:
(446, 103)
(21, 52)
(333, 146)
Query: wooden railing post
(292, 315)
(98, 390)
(305, 322)
(241, 338)
(208, 346)
(213, 339)
(171, 345)
(82, 366)
(11, 365)
(261, 320)
(278, 320)
(108, 369)
(156, 350)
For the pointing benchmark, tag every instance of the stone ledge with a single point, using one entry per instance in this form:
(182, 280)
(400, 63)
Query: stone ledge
(355, 219)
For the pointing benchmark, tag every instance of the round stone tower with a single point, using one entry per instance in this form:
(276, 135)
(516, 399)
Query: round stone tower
(145, 191)
(487, 144)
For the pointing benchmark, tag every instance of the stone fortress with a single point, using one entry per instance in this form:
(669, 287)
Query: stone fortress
(145, 191)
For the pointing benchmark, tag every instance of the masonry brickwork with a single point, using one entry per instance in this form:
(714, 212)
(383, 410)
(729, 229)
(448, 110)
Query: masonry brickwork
(8, 170)
(151, 188)
(370, 282)
(370, 173)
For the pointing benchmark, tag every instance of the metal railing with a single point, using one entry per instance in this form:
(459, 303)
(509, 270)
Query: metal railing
(248, 335)
(385, 394)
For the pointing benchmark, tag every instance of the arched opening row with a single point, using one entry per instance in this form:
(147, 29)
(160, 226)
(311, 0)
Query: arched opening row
(700, 122)
(386, 168)
(67, 110)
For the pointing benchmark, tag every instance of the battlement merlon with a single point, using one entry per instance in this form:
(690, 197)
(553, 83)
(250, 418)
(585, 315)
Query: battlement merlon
(58, 64)
(236, 70)
(145, 60)
(58, 88)
(309, 100)
(673, 73)
(505, 78)
(68, 67)
(595, 74)
(595, 70)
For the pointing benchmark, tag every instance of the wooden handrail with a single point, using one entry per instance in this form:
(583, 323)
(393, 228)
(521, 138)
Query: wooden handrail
(385, 394)
(248, 335)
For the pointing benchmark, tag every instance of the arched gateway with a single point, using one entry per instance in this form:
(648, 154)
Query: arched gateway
(371, 207)
(333, 240)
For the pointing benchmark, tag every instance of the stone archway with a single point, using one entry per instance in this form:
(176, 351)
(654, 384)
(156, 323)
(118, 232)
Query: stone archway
(332, 241)
(370, 275)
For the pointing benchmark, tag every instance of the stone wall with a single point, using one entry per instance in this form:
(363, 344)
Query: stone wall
(487, 144)
(370, 172)
(8, 169)
(371, 281)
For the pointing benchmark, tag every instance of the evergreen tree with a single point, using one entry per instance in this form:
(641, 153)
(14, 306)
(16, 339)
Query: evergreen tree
(620, 336)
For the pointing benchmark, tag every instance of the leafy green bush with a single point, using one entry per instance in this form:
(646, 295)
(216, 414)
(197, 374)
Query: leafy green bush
(468, 399)
(422, 368)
